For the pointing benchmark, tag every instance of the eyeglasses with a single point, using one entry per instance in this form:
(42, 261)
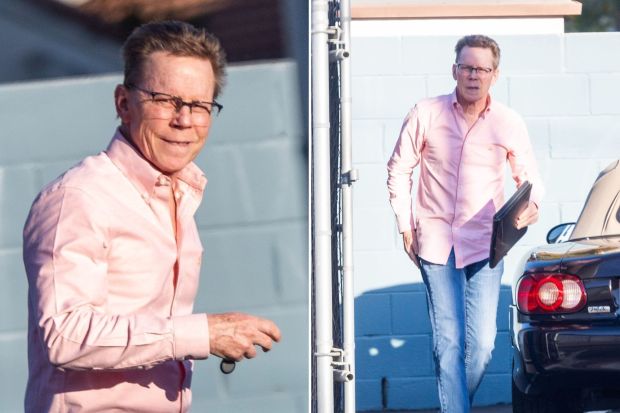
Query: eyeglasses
(201, 111)
(480, 71)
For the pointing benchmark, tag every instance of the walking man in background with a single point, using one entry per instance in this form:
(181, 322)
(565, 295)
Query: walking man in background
(112, 251)
(461, 142)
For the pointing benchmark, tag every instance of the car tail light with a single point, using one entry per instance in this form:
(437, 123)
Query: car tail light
(550, 293)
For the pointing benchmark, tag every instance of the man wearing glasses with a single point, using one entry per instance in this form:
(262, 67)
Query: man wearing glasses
(461, 143)
(112, 250)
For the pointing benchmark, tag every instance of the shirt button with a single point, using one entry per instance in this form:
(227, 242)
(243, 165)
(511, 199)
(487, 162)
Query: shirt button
(162, 180)
(178, 194)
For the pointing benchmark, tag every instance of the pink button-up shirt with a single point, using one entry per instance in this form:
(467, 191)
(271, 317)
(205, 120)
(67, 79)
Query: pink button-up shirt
(461, 183)
(110, 326)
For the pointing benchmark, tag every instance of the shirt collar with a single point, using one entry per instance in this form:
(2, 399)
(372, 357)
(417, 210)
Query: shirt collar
(142, 174)
(456, 105)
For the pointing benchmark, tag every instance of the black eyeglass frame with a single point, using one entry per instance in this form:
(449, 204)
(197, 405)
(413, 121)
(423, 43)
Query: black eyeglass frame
(177, 101)
(471, 69)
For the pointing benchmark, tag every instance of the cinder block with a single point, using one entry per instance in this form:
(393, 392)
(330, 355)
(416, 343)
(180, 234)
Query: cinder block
(538, 129)
(604, 92)
(49, 172)
(263, 105)
(284, 369)
(223, 167)
(412, 393)
(18, 189)
(568, 180)
(437, 85)
(368, 395)
(247, 184)
(373, 228)
(590, 52)
(380, 97)
(410, 313)
(391, 132)
(393, 356)
(546, 95)
(494, 389)
(501, 360)
(376, 56)
(276, 403)
(505, 299)
(423, 55)
(89, 102)
(276, 174)
(237, 269)
(373, 315)
(14, 372)
(546, 57)
(380, 269)
(549, 216)
(371, 187)
(291, 260)
(570, 211)
(14, 291)
(367, 141)
(500, 90)
(585, 138)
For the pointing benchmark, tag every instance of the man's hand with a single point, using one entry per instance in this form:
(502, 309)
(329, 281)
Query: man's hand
(528, 216)
(410, 243)
(233, 336)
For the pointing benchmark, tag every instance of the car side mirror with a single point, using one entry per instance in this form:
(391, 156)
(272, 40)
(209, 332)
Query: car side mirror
(560, 233)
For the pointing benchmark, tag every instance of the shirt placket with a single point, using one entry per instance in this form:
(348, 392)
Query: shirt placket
(166, 194)
(464, 131)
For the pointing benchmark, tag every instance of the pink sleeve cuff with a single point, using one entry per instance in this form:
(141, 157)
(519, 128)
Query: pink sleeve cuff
(191, 337)
(405, 224)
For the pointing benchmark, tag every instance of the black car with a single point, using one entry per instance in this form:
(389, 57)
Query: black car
(565, 312)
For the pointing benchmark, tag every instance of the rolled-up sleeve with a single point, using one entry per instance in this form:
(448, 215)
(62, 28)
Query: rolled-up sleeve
(66, 247)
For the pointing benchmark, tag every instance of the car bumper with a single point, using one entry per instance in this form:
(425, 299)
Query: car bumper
(568, 356)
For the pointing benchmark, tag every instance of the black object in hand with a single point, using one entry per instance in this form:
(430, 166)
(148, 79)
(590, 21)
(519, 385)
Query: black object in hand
(227, 366)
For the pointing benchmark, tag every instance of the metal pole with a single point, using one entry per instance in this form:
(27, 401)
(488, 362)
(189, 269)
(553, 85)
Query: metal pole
(348, 298)
(321, 208)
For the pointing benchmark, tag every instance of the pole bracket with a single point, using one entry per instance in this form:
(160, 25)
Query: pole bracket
(338, 51)
(349, 177)
(342, 369)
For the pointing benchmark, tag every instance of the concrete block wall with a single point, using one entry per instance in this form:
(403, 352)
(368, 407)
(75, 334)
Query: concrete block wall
(564, 85)
(252, 222)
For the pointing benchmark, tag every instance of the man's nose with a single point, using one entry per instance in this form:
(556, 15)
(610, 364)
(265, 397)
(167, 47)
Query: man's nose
(183, 116)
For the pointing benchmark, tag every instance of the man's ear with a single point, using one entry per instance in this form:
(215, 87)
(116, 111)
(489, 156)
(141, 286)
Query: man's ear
(495, 76)
(121, 102)
(454, 71)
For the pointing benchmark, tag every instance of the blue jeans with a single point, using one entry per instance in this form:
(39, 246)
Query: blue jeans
(462, 305)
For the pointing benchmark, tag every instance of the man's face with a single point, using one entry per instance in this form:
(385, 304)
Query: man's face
(168, 138)
(473, 86)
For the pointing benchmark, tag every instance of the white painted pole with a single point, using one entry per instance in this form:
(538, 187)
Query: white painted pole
(348, 297)
(321, 208)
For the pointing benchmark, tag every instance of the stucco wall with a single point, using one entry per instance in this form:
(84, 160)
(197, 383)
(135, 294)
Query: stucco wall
(252, 222)
(564, 85)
